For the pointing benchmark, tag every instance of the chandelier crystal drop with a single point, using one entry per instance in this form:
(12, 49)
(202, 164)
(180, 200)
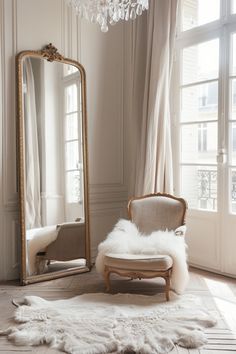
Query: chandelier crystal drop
(105, 12)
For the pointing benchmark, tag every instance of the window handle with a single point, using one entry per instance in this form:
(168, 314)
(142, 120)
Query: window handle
(222, 156)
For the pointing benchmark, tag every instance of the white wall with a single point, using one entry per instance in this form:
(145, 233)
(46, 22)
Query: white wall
(104, 58)
(30, 24)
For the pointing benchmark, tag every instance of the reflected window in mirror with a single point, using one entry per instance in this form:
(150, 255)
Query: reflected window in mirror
(69, 69)
(73, 159)
(54, 154)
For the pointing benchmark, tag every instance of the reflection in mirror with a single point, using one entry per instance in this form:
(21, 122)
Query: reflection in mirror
(55, 184)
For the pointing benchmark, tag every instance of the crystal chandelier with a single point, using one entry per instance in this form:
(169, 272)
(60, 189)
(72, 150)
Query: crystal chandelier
(106, 12)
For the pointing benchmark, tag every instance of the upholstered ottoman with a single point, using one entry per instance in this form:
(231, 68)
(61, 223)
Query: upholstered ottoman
(138, 266)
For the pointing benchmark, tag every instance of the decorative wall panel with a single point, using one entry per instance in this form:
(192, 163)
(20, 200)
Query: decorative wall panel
(2, 96)
(199, 244)
(9, 47)
(30, 24)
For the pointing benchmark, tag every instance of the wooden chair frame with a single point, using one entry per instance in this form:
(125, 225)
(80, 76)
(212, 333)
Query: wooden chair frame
(145, 274)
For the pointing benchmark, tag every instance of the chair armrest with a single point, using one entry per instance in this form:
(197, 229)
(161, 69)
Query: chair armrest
(181, 230)
(72, 224)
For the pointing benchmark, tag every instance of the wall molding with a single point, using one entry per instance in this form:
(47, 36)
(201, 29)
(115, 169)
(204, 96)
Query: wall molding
(2, 95)
(112, 197)
(12, 246)
(114, 213)
(209, 235)
(15, 245)
(10, 195)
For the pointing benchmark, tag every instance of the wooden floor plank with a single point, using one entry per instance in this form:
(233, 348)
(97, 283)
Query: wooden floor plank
(221, 341)
(181, 350)
(218, 331)
(220, 347)
(207, 351)
(222, 336)
(15, 349)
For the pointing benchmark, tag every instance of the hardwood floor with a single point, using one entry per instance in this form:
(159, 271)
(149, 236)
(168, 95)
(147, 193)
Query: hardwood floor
(218, 295)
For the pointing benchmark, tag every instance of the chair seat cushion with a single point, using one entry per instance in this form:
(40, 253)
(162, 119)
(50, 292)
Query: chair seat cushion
(139, 261)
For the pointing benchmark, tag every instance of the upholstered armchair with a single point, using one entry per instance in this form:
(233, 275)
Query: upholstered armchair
(149, 213)
(69, 245)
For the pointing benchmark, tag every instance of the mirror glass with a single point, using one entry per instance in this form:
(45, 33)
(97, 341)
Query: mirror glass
(54, 169)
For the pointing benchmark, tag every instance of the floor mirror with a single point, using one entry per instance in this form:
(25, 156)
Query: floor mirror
(52, 165)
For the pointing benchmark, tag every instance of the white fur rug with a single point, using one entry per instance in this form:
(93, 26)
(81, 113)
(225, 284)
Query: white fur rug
(104, 323)
(125, 238)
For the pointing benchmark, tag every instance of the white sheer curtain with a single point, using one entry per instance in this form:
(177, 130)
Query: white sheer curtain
(32, 165)
(154, 162)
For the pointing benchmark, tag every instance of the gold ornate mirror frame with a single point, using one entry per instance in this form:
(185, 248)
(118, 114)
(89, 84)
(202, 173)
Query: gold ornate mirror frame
(49, 53)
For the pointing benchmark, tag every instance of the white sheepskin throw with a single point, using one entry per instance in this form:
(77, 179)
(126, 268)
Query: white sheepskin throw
(104, 323)
(125, 238)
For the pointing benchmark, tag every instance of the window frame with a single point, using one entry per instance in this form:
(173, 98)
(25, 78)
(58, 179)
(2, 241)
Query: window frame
(222, 29)
(69, 80)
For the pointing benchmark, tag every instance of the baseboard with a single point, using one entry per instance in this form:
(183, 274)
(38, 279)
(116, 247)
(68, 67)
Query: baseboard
(196, 266)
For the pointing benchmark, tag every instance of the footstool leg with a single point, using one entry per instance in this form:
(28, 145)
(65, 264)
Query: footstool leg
(107, 279)
(167, 279)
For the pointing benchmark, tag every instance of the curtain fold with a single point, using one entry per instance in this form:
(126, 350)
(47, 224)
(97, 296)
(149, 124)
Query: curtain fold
(32, 164)
(154, 171)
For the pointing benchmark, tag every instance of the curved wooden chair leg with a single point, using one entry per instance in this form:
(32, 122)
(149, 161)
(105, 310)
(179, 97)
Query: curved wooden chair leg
(107, 279)
(167, 279)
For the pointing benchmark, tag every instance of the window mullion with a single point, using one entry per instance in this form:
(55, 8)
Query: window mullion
(224, 10)
(223, 89)
(198, 83)
(175, 116)
(198, 122)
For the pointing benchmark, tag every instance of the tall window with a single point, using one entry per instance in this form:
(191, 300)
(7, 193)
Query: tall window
(199, 12)
(206, 109)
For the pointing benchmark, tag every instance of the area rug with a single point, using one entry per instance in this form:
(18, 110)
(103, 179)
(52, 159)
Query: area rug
(103, 323)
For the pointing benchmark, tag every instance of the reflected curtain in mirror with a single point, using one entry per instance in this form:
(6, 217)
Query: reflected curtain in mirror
(32, 166)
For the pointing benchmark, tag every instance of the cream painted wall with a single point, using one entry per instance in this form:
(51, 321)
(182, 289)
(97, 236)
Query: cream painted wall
(30, 24)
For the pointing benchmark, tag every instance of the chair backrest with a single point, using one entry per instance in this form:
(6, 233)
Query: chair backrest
(157, 212)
